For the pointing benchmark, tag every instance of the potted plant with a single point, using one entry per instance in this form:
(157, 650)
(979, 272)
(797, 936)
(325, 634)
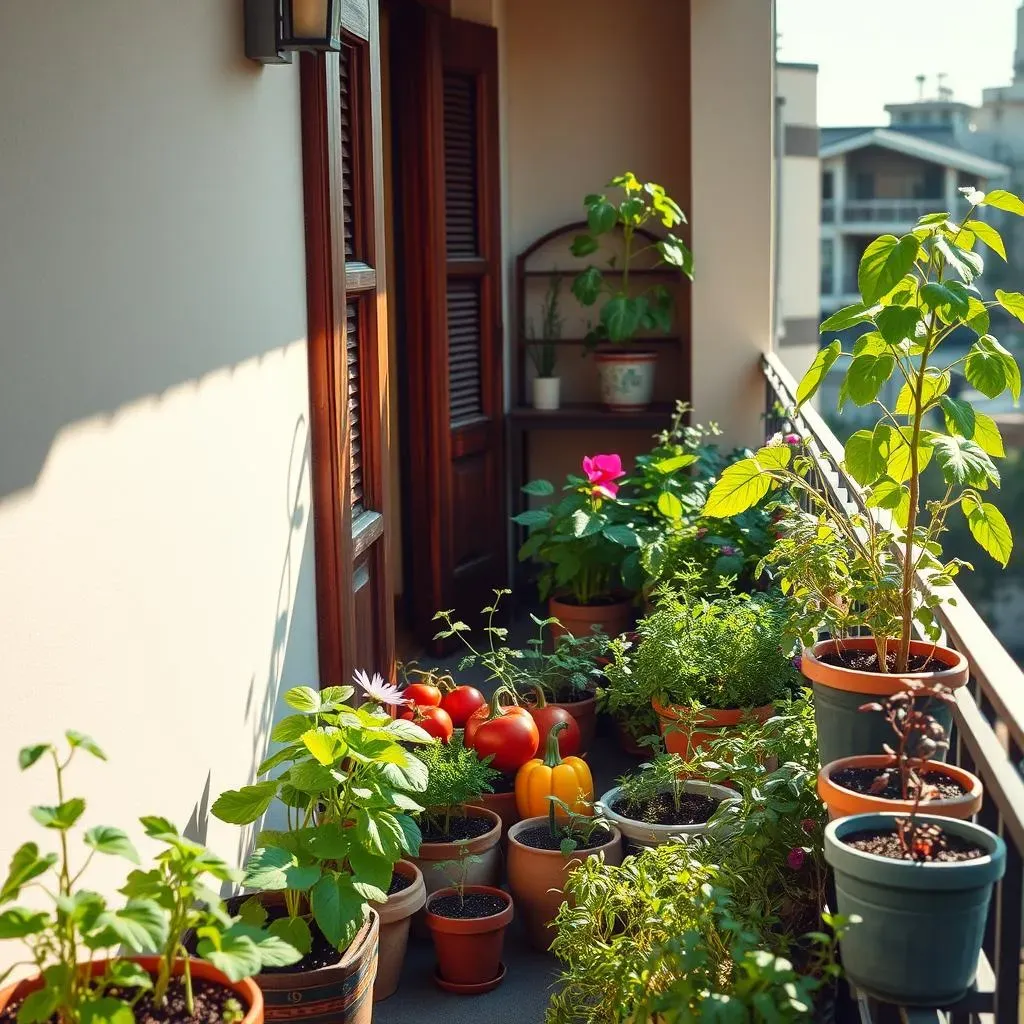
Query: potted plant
(889, 781)
(543, 850)
(406, 895)
(543, 351)
(451, 821)
(627, 375)
(85, 948)
(345, 800)
(467, 923)
(587, 547)
(922, 884)
(707, 663)
(657, 802)
(626, 702)
(916, 292)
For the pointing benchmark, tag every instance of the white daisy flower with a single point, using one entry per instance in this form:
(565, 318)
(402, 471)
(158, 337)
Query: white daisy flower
(376, 689)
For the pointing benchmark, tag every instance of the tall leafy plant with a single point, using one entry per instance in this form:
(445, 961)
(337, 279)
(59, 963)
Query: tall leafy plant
(626, 309)
(916, 292)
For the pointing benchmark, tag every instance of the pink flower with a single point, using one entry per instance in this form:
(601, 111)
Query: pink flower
(809, 825)
(602, 471)
(792, 439)
(727, 550)
(795, 858)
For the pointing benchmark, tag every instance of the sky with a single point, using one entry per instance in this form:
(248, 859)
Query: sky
(869, 52)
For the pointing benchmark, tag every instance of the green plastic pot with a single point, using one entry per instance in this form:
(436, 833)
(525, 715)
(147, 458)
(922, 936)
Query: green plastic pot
(922, 923)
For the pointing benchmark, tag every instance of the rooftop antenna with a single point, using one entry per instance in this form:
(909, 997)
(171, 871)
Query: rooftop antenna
(920, 88)
(944, 90)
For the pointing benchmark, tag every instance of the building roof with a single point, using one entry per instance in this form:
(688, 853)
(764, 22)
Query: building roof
(909, 144)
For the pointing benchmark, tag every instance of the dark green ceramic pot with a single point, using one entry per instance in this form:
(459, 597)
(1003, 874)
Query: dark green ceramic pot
(922, 923)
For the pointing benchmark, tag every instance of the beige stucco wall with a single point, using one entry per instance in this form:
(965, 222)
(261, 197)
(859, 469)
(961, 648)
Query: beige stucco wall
(156, 573)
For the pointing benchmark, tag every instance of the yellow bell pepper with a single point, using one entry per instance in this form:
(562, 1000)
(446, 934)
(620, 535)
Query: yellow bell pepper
(567, 778)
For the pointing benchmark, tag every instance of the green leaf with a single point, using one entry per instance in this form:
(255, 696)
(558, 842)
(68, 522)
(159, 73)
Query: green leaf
(935, 384)
(991, 530)
(621, 534)
(670, 506)
(601, 217)
(112, 841)
(28, 756)
(866, 376)
(337, 909)
(884, 263)
(584, 245)
(312, 778)
(39, 1006)
(129, 974)
(61, 817)
(294, 931)
(289, 729)
(960, 416)
(371, 868)
(1012, 302)
(817, 372)
(862, 459)
(245, 805)
(106, 1010)
(894, 449)
(587, 285)
(267, 868)
(1000, 199)
(253, 912)
(289, 753)
(968, 265)
(303, 698)
(326, 744)
(987, 436)
(963, 462)
(411, 837)
(940, 296)
(991, 369)
(870, 343)
(234, 953)
(988, 235)
(897, 322)
(87, 743)
(26, 865)
(140, 924)
(408, 732)
(741, 485)
(18, 922)
(274, 949)
(621, 317)
(848, 316)
(888, 494)
(539, 488)
(533, 517)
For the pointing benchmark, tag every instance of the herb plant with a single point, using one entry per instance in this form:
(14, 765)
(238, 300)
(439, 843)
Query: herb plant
(664, 773)
(162, 904)
(456, 776)
(623, 696)
(916, 292)
(573, 828)
(626, 309)
(570, 670)
(346, 797)
(542, 350)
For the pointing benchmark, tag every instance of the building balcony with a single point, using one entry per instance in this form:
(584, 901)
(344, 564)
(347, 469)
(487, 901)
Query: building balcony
(872, 213)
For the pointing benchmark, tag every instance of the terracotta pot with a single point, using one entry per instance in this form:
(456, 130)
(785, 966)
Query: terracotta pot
(842, 802)
(711, 724)
(395, 916)
(585, 713)
(486, 871)
(627, 742)
(846, 731)
(338, 994)
(247, 991)
(536, 878)
(504, 806)
(613, 618)
(469, 948)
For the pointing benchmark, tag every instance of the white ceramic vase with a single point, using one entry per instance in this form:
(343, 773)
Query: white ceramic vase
(546, 392)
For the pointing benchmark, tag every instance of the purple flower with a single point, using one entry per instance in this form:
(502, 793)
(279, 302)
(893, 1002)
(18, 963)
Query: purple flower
(727, 550)
(798, 662)
(795, 858)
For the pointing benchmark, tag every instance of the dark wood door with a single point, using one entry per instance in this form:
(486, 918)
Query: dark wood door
(447, 178)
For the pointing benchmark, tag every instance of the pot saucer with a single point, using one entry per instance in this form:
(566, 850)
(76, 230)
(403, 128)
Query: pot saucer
(474, 989)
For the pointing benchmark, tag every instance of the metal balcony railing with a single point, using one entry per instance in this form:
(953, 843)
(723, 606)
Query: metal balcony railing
(989, 741)
(877, 211)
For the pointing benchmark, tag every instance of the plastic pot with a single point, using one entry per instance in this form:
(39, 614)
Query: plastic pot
(247, 990)
(842, 802)
(613, 618)
(469, 948)
(395, 916)
(922, 923)
(687, 736)
(844, 730)
(536, 878)
(643, 834)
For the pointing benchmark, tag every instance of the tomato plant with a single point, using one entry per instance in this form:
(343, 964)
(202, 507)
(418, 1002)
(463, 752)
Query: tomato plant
(506, 731)
(435, 722)
(461, 702)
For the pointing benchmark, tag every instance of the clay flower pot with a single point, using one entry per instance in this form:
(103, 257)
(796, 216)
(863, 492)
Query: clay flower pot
(843, 802)
(585, 713)
(709, 725)
(504, 806)
(395, 916)
(613, 618)
(469, 948)
(844, 730)
(485, 871)
(536, 878)
(628, 742)
(247, 991)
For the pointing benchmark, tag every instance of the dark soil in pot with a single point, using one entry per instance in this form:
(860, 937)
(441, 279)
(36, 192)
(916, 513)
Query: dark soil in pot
(860, 780)
(321, 953)
(213, 1004)
(540, 838)
(398, 883)
(694, 809)
(459, 829)
(867, 661)
(476, 904)
(953, 849)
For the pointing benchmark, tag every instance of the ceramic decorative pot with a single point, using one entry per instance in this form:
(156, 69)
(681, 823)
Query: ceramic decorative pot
(627, 379)
(546, 392)
(643, 834)
(395, 916)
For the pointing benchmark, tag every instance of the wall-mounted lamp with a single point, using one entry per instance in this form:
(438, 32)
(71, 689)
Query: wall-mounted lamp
(274, 28)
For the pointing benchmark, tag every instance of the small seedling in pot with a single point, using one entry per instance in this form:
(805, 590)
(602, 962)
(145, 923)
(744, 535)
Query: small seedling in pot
(456, 870)
(574, 829)
(665, 774)
(920, 736)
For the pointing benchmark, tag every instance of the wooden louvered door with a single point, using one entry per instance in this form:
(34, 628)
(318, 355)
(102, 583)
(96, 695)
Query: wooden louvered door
(343, 169)
(445, 75)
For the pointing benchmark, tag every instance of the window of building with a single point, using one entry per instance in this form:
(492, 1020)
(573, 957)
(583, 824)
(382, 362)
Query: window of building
(827, 185)
(827, 266)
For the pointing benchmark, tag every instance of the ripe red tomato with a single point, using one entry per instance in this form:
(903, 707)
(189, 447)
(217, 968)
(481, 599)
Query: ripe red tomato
(511, 736)
(425, 695)
(435, 721)
(548, 716)
(461, 702)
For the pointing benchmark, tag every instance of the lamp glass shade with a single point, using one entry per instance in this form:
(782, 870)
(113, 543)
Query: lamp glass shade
(312, 24)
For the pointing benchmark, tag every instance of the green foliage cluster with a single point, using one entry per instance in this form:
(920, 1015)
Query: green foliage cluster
(456, 776)
(163, 903)
(570, 669)
(664, 773)
(916, 292)
(346, 798)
